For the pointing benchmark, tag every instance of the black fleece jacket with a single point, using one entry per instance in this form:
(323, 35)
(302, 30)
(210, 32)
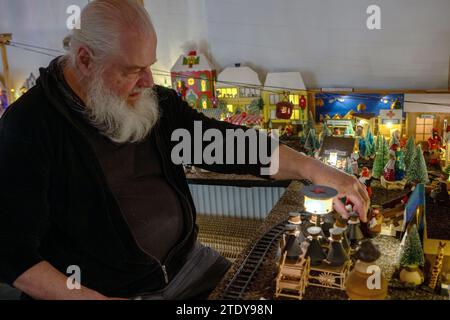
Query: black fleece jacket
(55, 204)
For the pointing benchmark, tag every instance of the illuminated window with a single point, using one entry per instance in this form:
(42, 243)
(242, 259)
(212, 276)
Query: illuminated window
(204, 104)
(424, 127)
(295, 114)
(191, 81)
(230, 107)
(203, 84)
(293, 98)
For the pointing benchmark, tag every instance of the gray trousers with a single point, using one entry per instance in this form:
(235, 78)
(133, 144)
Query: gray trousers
(202, 271)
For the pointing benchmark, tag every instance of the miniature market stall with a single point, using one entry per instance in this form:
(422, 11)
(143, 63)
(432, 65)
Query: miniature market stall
(336, 151)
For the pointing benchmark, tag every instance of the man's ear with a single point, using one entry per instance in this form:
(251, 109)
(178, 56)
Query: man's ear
(84, 60)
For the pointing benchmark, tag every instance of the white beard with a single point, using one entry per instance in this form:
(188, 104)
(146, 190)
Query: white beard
(118, 120)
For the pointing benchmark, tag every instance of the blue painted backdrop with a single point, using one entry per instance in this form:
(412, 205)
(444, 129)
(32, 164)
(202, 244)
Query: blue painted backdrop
(373, 102)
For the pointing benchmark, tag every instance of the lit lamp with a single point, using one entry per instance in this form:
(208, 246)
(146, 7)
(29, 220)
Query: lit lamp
(318, 200)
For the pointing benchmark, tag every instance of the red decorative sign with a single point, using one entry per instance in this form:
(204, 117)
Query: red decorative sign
(284, 110)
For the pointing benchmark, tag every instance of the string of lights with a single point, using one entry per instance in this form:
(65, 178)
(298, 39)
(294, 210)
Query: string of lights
(262, 88)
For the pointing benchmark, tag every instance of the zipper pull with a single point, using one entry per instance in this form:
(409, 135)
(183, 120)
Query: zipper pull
(166, 277)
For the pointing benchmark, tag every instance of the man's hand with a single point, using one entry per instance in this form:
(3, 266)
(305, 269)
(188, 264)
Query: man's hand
(294, 165)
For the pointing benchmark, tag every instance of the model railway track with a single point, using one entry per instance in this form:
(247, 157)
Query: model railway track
(246, 272)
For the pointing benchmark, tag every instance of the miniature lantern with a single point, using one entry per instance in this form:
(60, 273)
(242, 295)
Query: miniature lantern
(319, 199)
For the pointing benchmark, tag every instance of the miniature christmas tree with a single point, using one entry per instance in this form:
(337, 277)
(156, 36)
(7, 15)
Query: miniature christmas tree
(326, 132)
(311, 143)
(256, 106)
(399, 165)
(380, 158)
(310, 124)
(412, 254)
(410, 148)
(377, 142)
(370, 143)
(417, 170)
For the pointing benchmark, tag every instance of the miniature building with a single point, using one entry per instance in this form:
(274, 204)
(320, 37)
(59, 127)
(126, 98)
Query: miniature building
(193, 77)
(336, 150)
(285, 87)
(237, 87)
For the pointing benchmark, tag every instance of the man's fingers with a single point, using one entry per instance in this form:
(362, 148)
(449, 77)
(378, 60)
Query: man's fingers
(359, 205)
(340, 207)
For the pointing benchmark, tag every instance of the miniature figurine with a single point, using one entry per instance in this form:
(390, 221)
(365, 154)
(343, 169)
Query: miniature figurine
(354, 232)
(292, 245)
(336, 254)
(375, 221)
(315, 251)
(434, 146)
(342, 224)
(294, 218)
(366, 281)
(389, 168)
(366, 179)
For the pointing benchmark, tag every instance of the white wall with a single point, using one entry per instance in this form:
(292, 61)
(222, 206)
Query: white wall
(327, 40)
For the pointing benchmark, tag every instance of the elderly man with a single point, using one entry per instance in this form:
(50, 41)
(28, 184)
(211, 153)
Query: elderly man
(89, 190)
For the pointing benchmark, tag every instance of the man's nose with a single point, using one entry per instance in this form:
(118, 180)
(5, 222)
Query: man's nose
(145, 79)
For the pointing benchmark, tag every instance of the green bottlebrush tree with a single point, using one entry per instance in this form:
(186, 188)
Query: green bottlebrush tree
(377, 142)
(412, 253)
(310, 124)
(326, 132)
(256, 106)
(370, 144)
(381, 158)
(311, 143)
(410, 148)
(417, 170)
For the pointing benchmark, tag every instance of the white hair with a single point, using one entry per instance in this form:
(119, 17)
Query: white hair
(102, 23)
(115, 118)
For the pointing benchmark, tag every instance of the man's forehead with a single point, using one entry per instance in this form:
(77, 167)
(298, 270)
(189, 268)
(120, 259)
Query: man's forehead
(139, 52)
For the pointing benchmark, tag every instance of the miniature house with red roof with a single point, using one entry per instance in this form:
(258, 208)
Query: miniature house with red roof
(193, 77)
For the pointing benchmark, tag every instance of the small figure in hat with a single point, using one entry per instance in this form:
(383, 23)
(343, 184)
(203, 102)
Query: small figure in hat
(389, 168)
(292, 244)
(294, 219)
(337, 255)
(366, 179)
(434, 146)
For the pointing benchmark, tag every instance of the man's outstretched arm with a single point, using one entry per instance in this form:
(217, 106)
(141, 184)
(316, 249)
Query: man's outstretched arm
(44, 282)
(294, 165)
